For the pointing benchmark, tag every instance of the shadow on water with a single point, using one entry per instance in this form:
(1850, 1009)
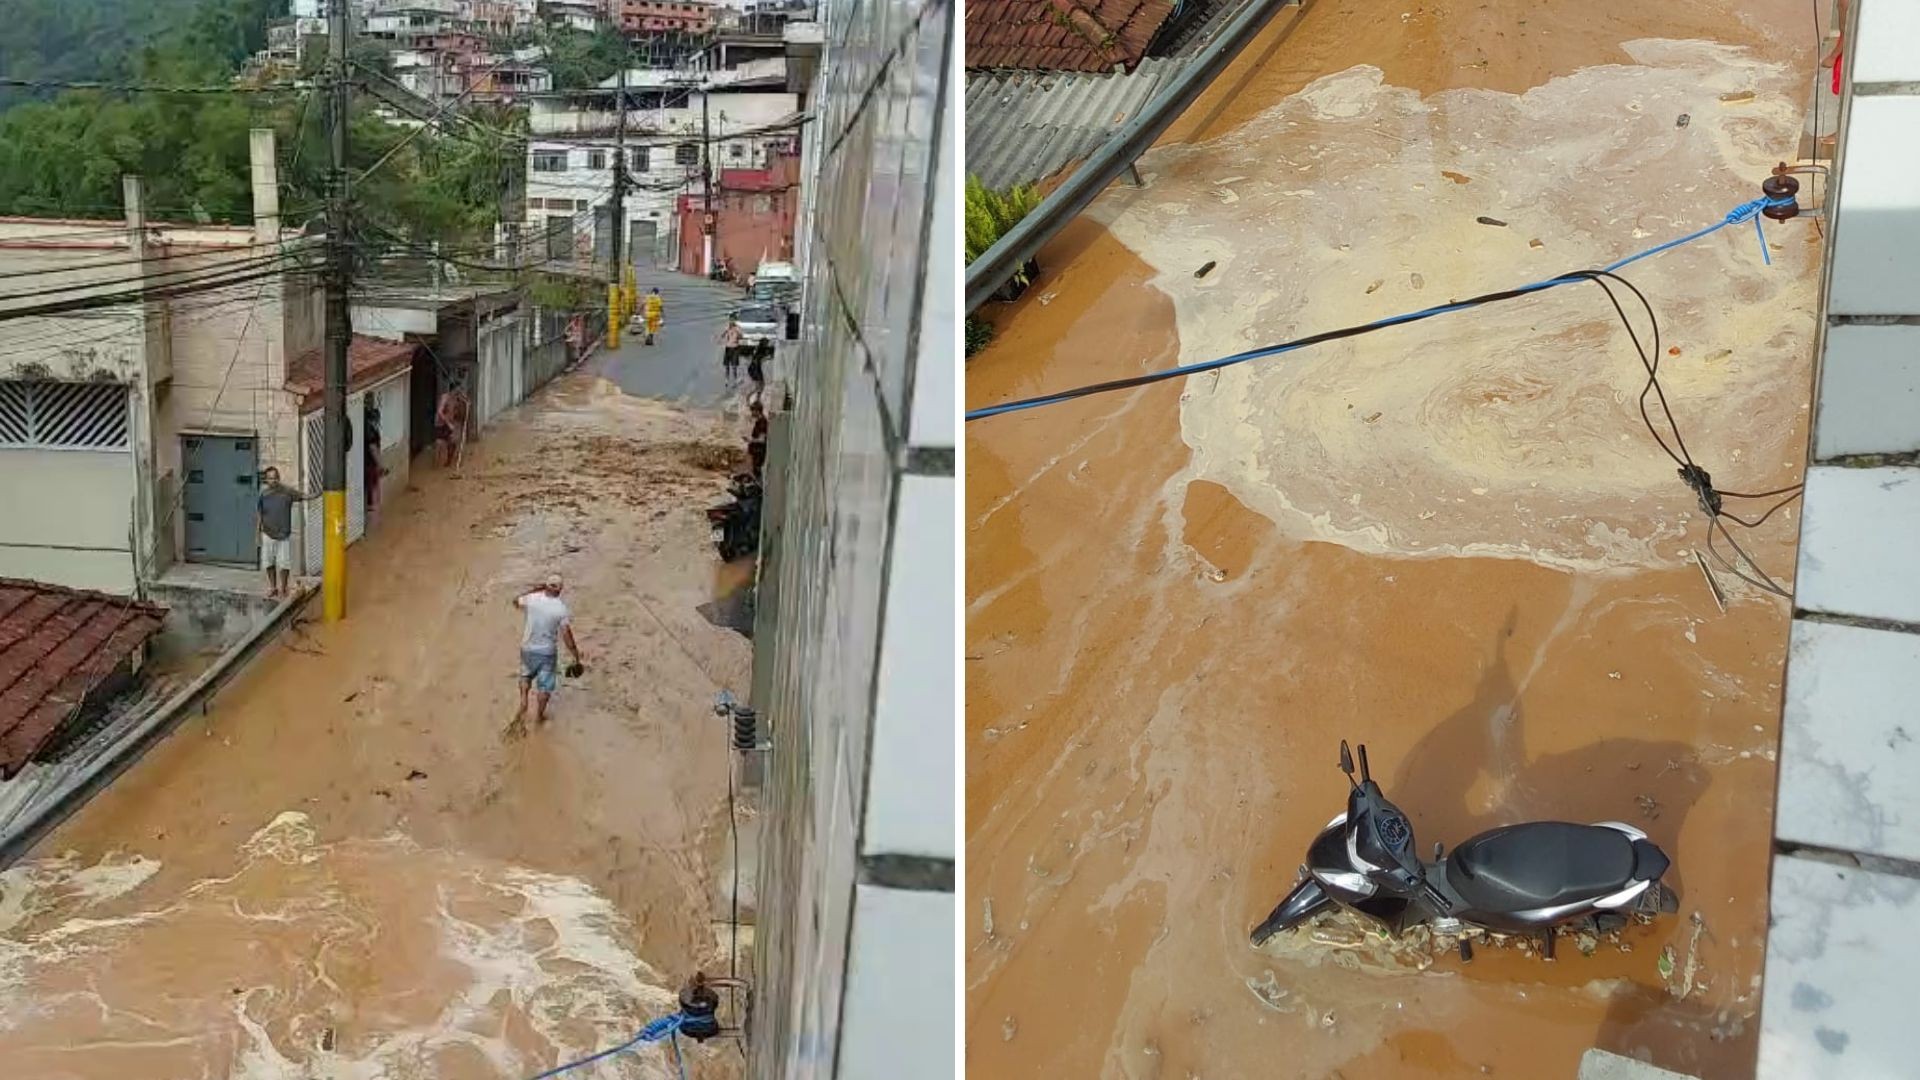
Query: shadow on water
(1473, 772)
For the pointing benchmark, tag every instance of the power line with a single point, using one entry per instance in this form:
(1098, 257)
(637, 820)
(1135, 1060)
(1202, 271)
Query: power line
(142, 88)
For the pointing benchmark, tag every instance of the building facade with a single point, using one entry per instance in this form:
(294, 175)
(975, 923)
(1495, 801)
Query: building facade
(570, 161)
(854, 946)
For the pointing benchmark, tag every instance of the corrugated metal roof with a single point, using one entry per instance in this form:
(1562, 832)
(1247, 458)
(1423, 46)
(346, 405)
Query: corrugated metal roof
(1023, 126)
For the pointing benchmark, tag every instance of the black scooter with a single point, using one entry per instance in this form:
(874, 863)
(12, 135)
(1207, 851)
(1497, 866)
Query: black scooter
(1536, 878)
(736, 524)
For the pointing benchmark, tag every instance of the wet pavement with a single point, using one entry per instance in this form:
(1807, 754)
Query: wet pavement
(1456, 542)
(350, 868)
(683, 363)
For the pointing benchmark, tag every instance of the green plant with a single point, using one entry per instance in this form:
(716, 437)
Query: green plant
(991, 213)
(979, 333)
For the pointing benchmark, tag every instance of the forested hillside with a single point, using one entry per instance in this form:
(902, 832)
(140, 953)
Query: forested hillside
(62, 154)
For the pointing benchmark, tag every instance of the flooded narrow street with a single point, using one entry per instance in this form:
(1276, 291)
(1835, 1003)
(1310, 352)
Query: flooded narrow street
(1456, 542)
(350, 868)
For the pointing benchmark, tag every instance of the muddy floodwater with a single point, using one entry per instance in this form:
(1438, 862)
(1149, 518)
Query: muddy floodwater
(348, 868)
(1456, 542)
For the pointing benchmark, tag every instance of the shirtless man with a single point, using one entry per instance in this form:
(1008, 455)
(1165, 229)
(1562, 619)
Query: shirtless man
(449, 425)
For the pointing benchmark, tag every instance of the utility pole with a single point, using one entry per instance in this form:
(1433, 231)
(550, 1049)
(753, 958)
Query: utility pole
(333, 580)
(616, 274)
(710, 220)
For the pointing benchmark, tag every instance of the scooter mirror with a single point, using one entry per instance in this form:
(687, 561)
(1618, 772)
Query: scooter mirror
(1346, 758)
(1365, 773)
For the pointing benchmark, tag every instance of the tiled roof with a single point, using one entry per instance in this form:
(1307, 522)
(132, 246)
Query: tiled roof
(1024, 126)
(55, 643)
(368, 359)
(1061, 35)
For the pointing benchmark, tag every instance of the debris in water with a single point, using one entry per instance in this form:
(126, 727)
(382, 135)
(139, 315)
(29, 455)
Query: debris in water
(1587, 942)
(1376, 284)
(1458, 178)
(1007, 1028)
(1207, 269)
(1485, 220)
(1649, 807)
(1371, 419)
(1536, 243)
(1683, 121)
(1739, 97)
(1665, 963)
(1418, 281)
(1267, 990)
(1691, 969)
(1673, 350)
(326, 1040)
(416, 774)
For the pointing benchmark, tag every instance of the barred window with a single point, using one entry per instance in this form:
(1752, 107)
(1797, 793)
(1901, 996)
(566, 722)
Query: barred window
(63, 416)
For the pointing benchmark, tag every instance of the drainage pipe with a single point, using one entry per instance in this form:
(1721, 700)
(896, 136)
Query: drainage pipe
(1000, 262)
(106, 766)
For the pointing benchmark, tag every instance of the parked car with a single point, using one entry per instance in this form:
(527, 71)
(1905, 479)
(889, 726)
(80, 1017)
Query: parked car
(760, 322)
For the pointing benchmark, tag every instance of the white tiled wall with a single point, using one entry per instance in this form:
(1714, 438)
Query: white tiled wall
(854, 962)
(1842, 969)
(1877, 229)
(1869, 400)
(910, 792)
(899, 1000)
(1883, 50)
(1860, 543)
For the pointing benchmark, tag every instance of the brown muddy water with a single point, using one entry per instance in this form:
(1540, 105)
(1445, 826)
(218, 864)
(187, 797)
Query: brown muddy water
(348, 867)
(1455, 542)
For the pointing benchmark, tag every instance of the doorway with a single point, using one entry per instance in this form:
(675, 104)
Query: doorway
(222, 489)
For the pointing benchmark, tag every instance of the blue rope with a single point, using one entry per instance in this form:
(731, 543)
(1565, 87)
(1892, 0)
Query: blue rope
(665, 1027)
(1744, 212)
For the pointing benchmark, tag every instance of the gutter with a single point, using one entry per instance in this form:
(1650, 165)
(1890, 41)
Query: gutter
(1000, 262)
(92, 778)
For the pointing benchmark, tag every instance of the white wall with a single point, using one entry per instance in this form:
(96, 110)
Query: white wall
(855, 943)
(1848, 755)
(69, 517)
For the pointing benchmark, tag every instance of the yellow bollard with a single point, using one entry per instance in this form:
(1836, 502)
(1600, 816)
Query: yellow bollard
(613, 316)
(333, 555)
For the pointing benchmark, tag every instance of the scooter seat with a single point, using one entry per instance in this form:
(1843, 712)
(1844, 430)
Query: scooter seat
(1540, 864)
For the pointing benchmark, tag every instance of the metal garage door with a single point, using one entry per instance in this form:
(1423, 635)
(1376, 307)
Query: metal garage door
(313, 437)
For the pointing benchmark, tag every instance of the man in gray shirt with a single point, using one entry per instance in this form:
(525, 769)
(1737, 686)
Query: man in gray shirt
(274, 518)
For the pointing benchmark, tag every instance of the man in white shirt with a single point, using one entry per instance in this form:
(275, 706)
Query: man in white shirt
(548, 623)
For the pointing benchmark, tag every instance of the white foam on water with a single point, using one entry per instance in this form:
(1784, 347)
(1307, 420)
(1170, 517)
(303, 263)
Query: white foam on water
(408, 962)
(1512, 430)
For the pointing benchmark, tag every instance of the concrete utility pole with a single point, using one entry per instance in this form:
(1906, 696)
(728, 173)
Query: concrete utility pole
(616, 274)
(710, 220)
(333, 579)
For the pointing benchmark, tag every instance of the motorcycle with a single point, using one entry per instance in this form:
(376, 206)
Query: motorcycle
(735, 525)
(1535, 878)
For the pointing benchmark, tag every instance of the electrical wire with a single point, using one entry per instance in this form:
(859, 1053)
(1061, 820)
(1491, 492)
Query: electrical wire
(142, 88)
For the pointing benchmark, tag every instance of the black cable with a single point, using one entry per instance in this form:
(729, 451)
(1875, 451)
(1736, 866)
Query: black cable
(142, 88)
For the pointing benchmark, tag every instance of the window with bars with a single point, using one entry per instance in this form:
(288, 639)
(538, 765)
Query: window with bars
(686, 154)
(596, 159)
(639, 159)
(550, 161)
(63, 416)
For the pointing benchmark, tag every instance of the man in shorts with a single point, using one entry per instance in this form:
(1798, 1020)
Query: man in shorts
(548, 623)
(450, 425)
(730, 343)
(273, 519)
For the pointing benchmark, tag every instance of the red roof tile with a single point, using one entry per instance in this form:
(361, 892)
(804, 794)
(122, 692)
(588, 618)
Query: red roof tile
(1062, 35)
(368, 360)
(55, 644)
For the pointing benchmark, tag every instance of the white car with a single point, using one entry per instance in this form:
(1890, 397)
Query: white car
(760, 322)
